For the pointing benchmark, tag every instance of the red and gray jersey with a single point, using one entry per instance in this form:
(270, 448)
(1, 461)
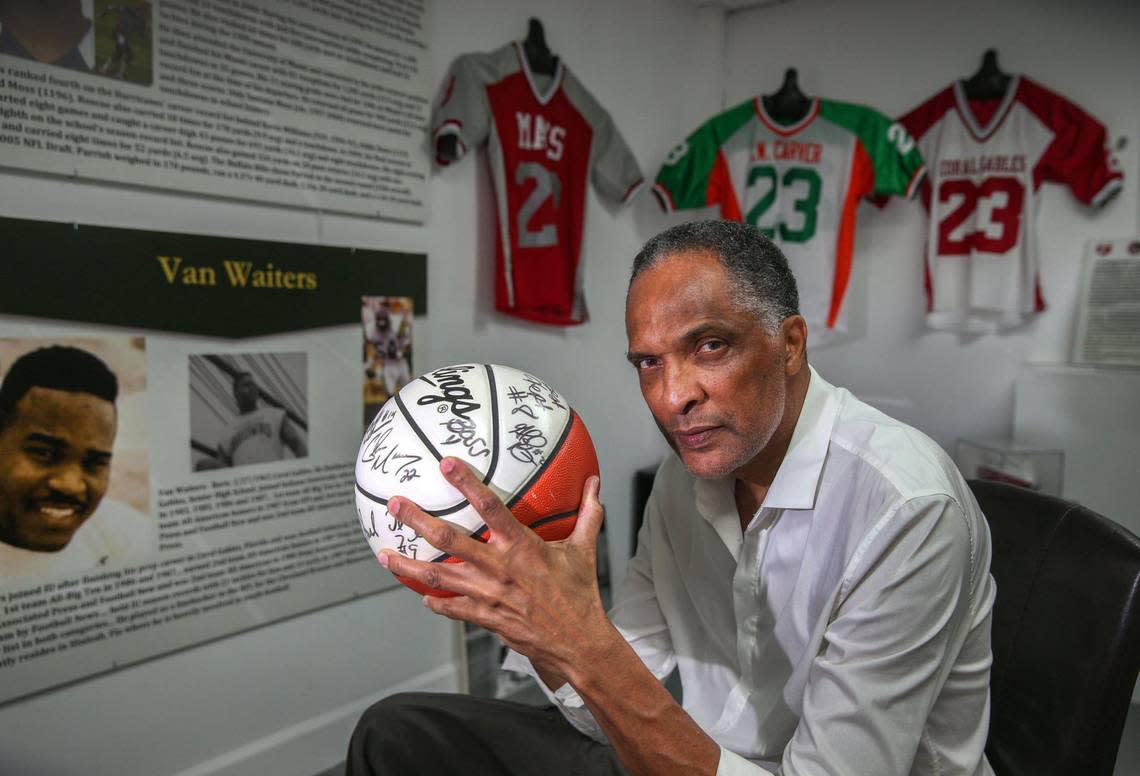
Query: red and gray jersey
(799, 184)
(987, 160)
(546, 138)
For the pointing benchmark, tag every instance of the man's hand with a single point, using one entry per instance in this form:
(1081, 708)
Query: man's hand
(541, 598)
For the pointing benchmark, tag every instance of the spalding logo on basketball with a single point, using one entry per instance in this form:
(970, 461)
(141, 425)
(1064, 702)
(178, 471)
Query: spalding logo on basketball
(530, 447)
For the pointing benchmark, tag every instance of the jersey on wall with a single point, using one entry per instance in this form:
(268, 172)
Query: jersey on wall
(799, 184)
(987, 161)
(253, 437)
(546, 137)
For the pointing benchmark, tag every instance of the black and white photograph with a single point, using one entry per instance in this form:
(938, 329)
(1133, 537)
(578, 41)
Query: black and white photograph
(249, 408)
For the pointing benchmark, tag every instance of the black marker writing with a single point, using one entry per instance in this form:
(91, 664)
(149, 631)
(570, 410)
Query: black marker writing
(530, 444)
(520, 398)
(462, 431)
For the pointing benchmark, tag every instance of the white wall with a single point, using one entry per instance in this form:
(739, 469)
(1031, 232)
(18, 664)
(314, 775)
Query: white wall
(892, 55)
(282, 699)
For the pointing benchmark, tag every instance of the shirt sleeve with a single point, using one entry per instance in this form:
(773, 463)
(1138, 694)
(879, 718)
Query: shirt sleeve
(896, 162)
(461, 109)
(902, 617)
(683, 182)
(1078, 156)
(637, 616)
(695, 173)
(614, 168)
(917, 123)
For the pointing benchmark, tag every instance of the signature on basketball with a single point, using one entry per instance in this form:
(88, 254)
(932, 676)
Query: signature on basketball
(529, 445)
(385, 457)
(405, 544)
(537, 395)
(462, 431)
(369, 525)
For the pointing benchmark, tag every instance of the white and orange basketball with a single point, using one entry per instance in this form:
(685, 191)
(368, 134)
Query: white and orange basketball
(520, 434)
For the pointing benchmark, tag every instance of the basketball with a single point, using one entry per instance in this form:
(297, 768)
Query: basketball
(521, 435)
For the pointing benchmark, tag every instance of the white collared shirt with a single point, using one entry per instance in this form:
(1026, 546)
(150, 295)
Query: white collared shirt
(113, 535)
(846, 631)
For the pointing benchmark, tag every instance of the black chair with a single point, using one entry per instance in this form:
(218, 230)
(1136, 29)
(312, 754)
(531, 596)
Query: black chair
(1066, 633)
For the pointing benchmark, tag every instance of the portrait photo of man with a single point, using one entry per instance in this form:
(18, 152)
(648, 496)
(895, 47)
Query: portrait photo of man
(54, 32)
(59, 419)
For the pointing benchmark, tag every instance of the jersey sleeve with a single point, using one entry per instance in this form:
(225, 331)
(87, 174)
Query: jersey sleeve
(916, 123)
(1078, 155)
(895, 161)
(613, 167)
(692, 175)
(461, 109)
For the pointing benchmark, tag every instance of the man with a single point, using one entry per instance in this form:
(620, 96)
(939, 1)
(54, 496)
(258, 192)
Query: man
(257, 434)
(57, 430)
(818, 572)
(55, 32)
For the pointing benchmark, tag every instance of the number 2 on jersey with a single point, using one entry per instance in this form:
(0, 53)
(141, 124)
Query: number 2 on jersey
(546, 184)
(806, 204)
(997, 202)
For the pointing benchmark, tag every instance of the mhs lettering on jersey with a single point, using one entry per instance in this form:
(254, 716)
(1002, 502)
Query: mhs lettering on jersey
(988, 160)
(535, 133)
(799, 184)
(547, 138)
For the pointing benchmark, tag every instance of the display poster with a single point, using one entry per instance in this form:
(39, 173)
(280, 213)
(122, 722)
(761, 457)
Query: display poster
(179, 417)
(319, 105)
(1108, 318)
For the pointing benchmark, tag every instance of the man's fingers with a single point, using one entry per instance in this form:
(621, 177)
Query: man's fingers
(489, 506)
(452, 577)
(441, 534)
(464, 608)
(590, 515)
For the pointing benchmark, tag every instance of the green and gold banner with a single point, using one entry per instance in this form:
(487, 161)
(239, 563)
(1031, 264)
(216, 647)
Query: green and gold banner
(193, 284)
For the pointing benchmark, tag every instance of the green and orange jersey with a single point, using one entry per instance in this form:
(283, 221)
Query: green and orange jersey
(798, 183)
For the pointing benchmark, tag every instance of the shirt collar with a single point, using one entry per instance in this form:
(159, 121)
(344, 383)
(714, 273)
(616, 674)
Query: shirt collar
(797, 479)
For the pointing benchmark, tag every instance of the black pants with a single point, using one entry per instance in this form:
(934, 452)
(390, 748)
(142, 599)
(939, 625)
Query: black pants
(436, 734)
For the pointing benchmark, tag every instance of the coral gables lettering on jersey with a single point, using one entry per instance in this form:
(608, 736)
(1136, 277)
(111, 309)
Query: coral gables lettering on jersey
(974, 165)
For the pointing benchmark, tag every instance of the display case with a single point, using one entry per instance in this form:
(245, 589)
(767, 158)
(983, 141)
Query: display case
(1037, 467)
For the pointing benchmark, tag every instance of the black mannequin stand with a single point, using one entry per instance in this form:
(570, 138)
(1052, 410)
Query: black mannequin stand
(789, 104)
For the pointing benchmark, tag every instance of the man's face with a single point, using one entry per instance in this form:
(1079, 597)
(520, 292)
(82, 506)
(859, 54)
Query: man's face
(713, 378)
(245, 393)
(55, 461)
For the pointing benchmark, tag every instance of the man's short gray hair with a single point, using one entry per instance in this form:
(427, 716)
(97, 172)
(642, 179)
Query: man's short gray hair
(764, 283)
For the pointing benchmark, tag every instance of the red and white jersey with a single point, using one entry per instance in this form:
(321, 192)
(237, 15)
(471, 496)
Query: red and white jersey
(986, 160)
(546, 138)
